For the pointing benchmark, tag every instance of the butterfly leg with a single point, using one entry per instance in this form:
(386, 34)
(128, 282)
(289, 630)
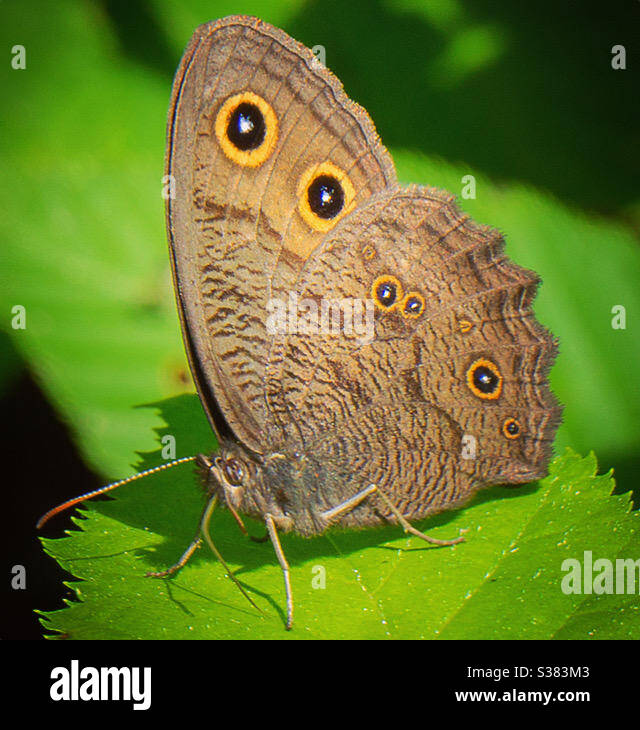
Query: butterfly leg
(237, 518)
(354, 501)
(275, 540)
(348, 504)
(193, 546)
(407, 527)
(203, 529)
(241, 525)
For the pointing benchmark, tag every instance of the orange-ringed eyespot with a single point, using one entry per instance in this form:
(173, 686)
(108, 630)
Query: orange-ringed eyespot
(325, 194)
(413, 304)
(247, 129)
(484, 379)
(386, 292)
(511, 428)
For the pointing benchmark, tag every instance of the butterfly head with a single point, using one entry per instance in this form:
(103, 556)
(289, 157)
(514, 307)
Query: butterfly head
(229, 473)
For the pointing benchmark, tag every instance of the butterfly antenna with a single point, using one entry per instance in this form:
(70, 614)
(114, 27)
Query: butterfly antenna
(76, 500)
(204, 528)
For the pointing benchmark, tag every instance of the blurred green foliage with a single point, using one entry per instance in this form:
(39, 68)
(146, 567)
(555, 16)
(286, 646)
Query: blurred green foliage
(523, 97)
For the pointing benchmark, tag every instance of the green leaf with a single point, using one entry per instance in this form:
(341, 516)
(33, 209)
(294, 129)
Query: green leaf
(503, 582)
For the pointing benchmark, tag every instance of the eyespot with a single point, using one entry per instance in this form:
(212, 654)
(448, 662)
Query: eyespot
(413, 305)
(511, 428)
(368, 252)
(386, 292)
(484, 379)
(325, 194)
(247, 129)
(233, 471)
(465, 326)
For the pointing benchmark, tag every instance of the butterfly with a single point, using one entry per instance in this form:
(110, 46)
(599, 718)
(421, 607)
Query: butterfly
(364, 351)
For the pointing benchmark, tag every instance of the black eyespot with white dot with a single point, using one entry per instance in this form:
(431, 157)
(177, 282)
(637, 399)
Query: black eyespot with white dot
(386, 292)
(325, 196)
(413, 305)
(484, 379)
(246, 128)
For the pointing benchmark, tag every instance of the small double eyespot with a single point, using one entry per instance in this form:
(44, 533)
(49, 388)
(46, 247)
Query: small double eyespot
(388, 294)
(413, 305)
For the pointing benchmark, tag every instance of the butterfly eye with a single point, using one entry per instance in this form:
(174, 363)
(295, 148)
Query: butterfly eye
(247, 129)
(484, 379)
(386, 292)
(511, 428)
(325, 195)
(413, 305)
(233, 471)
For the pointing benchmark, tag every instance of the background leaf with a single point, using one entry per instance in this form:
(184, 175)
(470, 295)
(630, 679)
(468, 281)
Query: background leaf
(83, 242)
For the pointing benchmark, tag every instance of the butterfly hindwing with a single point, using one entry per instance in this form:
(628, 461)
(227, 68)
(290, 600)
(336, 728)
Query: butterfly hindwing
(458, 344)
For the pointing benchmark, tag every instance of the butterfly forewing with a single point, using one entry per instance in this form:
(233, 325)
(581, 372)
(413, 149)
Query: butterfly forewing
(267, 154)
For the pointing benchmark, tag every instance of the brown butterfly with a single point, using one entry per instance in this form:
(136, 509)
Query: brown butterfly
(284, 193)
